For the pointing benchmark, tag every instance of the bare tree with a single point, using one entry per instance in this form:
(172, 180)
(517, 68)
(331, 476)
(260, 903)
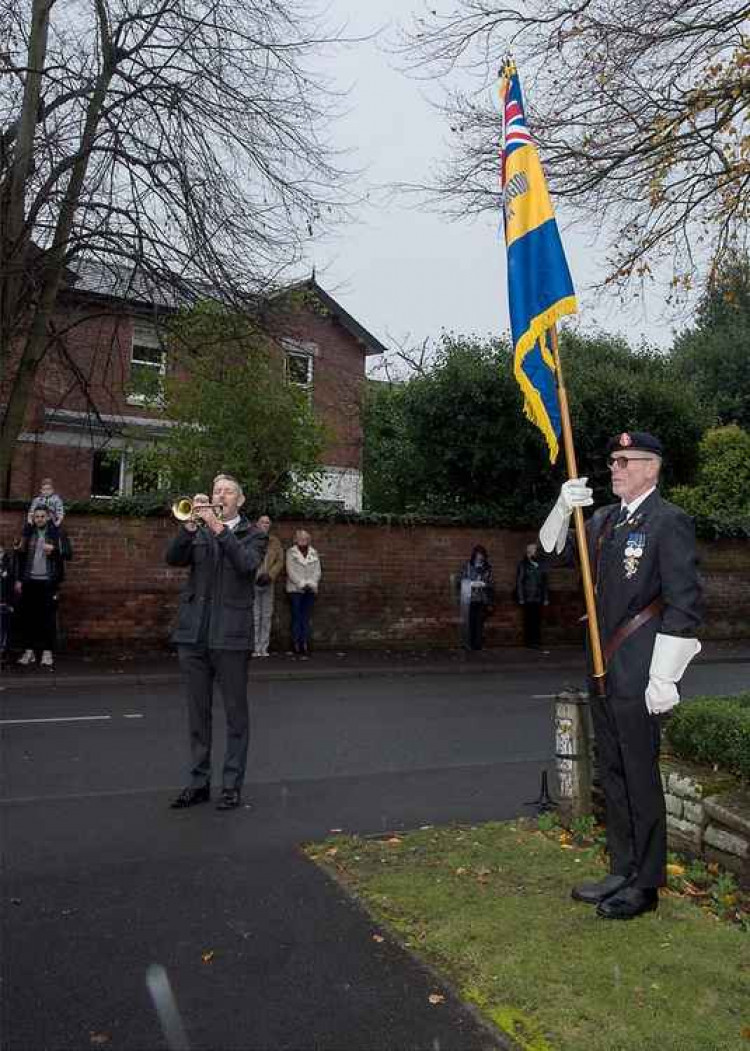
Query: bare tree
(179, 142)
(640, 108)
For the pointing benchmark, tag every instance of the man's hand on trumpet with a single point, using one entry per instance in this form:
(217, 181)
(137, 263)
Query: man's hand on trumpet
(204, 513)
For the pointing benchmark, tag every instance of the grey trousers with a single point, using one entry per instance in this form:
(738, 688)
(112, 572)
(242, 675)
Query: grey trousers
(200, 666)
(262, 617)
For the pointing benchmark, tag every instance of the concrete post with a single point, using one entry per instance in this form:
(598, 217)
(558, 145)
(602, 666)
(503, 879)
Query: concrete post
(573, 753)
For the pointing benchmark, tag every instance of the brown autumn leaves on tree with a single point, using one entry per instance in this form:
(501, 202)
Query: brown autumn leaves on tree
(640, 108)
(180, 144)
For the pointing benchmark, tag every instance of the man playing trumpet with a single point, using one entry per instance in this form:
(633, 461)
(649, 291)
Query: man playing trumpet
(213, 631)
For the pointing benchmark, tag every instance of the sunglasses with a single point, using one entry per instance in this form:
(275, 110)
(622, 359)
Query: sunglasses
(621, 462)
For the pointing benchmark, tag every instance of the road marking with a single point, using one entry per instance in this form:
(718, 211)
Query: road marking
(543, 696)
(57, 719)
(135, 715)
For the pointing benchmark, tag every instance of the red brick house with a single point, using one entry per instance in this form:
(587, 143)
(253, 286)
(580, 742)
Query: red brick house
(108, 347)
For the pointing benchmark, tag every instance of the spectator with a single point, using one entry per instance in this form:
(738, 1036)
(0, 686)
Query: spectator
(40, 571)
(50, 500)
(265, 580)
(476, 596)
(7, 576)
(531, 594)
(302, 580)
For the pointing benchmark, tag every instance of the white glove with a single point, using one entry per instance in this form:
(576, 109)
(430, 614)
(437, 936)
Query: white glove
(669, 660)
(574, 493)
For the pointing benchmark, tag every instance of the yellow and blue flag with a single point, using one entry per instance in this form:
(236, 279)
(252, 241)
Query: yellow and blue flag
(540, 289)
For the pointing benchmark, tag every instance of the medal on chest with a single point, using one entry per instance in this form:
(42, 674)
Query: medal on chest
(635, 545)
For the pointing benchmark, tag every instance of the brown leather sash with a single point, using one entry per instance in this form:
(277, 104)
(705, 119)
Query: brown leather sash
(626, 630)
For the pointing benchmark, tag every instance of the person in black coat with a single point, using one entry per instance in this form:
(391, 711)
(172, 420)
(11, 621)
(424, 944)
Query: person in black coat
(213, 632)
(476, 596)
(649, 604)
(532, 592)
(40, 571)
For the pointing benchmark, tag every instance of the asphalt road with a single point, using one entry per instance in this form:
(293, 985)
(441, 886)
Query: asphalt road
(101, 880)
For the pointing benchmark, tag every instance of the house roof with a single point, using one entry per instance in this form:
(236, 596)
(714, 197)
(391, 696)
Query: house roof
(115, 280)
(371, 344)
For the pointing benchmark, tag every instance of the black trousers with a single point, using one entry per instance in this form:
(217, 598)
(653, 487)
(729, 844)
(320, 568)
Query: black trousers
(477, 614)
(532, 623)
(627, 747)
(200, 666)
(37, 615)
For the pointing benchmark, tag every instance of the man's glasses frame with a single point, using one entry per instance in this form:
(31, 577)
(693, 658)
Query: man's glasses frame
(621, 462)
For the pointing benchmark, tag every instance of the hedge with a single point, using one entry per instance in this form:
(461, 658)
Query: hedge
(718, 527)
(713, 731)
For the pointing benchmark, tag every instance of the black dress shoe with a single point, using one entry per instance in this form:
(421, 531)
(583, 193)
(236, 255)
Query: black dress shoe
(629, 903)
(191, 797)
(229, 799)
(594, 893)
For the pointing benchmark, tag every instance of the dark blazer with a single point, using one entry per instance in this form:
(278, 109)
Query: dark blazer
(653, 556)
(218, 592)
(25, 557)
(531, 582)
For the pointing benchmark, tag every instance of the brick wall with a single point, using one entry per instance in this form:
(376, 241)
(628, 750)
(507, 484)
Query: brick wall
(382, 585)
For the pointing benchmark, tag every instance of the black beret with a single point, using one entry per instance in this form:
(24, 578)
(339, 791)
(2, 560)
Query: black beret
(635, 440)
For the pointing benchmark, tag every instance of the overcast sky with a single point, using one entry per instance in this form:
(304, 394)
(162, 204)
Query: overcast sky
(406, 274)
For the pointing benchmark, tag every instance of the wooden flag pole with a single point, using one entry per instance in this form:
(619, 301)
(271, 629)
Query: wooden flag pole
(597, 659)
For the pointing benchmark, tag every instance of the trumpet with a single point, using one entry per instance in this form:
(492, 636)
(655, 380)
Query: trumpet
(184, 510)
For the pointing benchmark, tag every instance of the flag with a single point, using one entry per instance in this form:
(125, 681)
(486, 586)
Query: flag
(540, 289)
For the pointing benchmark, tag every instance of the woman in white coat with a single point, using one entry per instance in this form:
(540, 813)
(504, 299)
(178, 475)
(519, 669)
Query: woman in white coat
(302, 580)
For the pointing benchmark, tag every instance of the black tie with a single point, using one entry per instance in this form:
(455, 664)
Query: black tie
(622, 517)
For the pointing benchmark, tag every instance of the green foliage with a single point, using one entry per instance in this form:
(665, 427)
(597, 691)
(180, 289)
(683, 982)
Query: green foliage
(714, 731)
(714, 355)
(455, 441)
(583, 828)
(231, 410)
(548, 822)
(723, 478)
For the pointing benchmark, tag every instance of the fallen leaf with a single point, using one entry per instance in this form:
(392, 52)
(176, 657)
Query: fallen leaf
(393, 841)
(676, 870)
(207, 957)
(745, 1032)
(378, 938)
(460, 872)
(99, 1039)
(332, 852)
(436, 998)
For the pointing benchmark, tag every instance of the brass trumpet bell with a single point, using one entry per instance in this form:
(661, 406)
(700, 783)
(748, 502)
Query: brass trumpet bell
(184, 510)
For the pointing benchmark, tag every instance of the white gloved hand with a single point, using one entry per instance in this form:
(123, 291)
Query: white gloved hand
(574, 493)
(669, 660)
(661, 696)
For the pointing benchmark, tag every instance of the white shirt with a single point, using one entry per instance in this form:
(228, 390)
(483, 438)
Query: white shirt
(635, 504)
(233, 523)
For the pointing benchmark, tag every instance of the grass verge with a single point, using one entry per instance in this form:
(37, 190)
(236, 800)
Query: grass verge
(490, 908)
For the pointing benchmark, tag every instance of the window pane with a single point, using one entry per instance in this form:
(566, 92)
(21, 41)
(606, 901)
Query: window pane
(299, 368)
(150, 355)
(145, 381)
(105, 475)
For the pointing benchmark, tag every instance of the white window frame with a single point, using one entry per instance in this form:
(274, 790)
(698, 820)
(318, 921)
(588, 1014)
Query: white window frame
(304, 351)
(145, 335)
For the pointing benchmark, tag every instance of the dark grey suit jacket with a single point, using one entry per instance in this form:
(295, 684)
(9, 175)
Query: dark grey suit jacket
(216, 601)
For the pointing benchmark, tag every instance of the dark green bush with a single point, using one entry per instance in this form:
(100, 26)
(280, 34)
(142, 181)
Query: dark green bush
(715, 731)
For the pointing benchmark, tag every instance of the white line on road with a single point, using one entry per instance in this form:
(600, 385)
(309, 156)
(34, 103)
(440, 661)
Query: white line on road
(135, 715)
(543, 696)
(58, 719)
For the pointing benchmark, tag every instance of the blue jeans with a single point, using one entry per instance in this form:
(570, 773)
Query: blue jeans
(302, 604)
